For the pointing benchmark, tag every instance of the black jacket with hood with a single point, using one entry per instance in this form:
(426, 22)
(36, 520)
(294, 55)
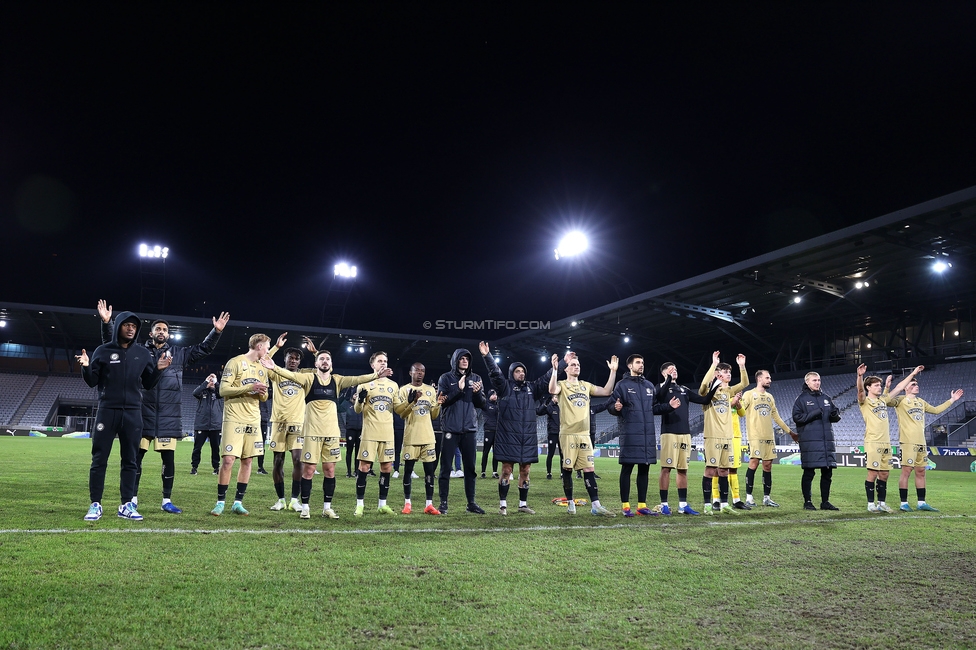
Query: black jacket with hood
(210, 408)
(121, 373)
(162, 406)
(516, 436)
(639, 398)
(457, 413)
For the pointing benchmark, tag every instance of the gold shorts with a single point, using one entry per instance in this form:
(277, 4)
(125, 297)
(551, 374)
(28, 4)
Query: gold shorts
(762, 449)
(879, 457)
(674, 450)
(159, 444)
(577, 451)
(241, 440)
(719, 452)
(285, 436)
(422, 453)
(324, 449)
(377, 451)
(914, 456)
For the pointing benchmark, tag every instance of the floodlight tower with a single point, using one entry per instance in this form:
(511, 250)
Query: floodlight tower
(152, 273)
(336, 298)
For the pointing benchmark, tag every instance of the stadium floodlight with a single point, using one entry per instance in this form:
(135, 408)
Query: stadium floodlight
(145, 250)
(626, 339)
(362, 350)
(797, 299)
(348, 348)
(542, 358)
(940, 266)
(858, 285)
(573, 324)
(3, 323)
(344, 270)
(572, 243)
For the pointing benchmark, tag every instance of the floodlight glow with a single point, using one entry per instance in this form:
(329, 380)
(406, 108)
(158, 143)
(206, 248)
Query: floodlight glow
(573, 243)
(348, 348)
(361, 350)
(3, 323)
(573, 324)
(626, 339)
(858, 285)
(145, 250)
(498, 360)
(178, 337)
(797, 299)
(542, 358)
(867, 284)
(869, 346)
(344, 270)
(940, 266)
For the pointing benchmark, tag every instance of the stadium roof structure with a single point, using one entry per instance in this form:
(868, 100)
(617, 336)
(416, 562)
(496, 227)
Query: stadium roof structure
(750, 307)
(747, 307)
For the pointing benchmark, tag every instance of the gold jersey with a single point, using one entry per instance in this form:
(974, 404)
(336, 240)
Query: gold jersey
(874, 410)
(418, 428)
(911, 417)
(377, 412)
(718, 413)
(761, 412)
(574, 407)
(235, 387)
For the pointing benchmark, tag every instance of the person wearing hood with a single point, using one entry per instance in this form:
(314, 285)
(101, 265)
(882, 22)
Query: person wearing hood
(516, 438)
(813, 413)
(162, 407)
(490, 426)
(574, 428)
(635, 401)
(463, 393)
(121, 370)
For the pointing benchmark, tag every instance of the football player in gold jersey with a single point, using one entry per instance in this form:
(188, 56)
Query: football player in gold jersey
(376, 401)
(418, 405)
(911, 410)
(243, 385)
(574, 428)
(872, 398)
(760, 408)
(718, 414)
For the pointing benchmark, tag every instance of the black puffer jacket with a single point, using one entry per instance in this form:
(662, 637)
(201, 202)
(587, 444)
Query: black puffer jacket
(813, 412)
(516, 437)
(457, 413)
(162, 406)
(210, 408)
(638, 439)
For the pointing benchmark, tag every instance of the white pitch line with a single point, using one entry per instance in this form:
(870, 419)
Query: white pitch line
(401, 531)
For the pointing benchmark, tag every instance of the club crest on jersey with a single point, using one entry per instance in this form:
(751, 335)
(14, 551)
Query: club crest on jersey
(669, 461)
(365, 454)
(229, 448)
(762, 408)
(875, 464)
(114, 356)
(427, 393)
(406, 455)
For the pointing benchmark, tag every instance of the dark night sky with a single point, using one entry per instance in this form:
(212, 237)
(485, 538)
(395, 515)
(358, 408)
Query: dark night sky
(445, 148)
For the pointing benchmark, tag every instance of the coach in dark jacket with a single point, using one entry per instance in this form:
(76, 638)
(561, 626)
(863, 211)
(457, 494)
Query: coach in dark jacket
(208, 421)
(120, 369)
(459, 423)
(635, 401)
(813, 413)
(516, 436)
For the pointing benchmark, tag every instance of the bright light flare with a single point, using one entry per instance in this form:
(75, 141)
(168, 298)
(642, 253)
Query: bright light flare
(940, 266)
(145, 250)
(572, 243)
(344, 270)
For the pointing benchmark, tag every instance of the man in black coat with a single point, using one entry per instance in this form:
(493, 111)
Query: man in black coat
(464, 392)
(635, 401)
(162, 407)
(516, 437)
(206, 425)
(120, 370)
(490, 426)
(813, 413)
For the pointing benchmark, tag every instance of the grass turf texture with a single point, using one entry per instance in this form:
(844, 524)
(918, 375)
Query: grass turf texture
(766, 578)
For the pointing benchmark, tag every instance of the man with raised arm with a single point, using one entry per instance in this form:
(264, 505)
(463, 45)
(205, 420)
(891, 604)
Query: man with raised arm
(574, 428)
(719, 434)
(676, 437)
(911, 410)
(376, 401)
(516, 434)
(872, 398)
(121, 370)
(162, 406)
(760, 408)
